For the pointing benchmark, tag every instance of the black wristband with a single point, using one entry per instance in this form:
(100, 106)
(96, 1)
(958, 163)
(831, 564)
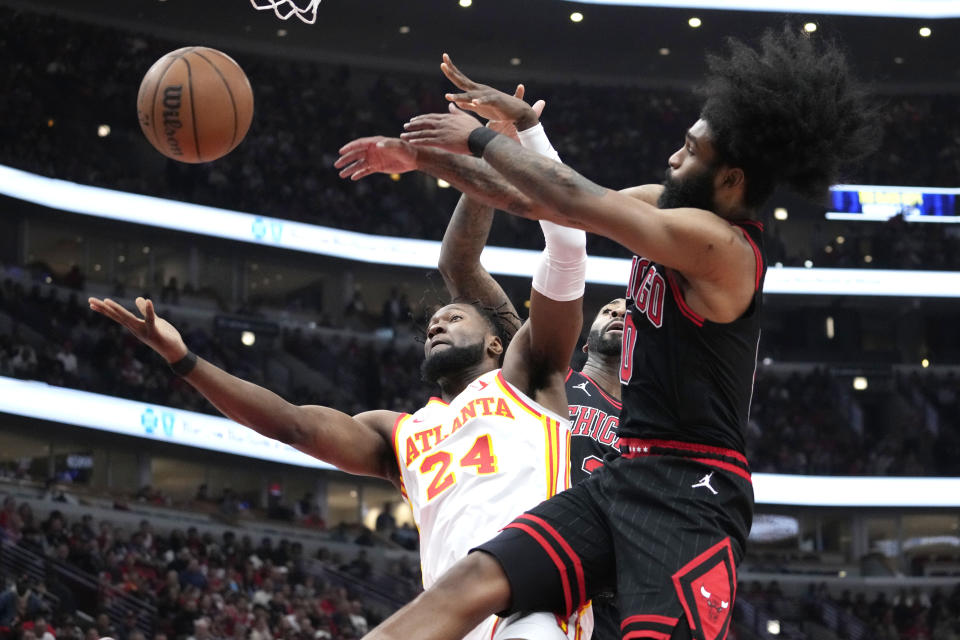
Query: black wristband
(184, 365)
(479, 139)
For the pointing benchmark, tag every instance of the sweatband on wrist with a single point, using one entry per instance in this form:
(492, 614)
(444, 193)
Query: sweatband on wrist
(184, 365)
(478, 140)
(535, 139)
(561, 272)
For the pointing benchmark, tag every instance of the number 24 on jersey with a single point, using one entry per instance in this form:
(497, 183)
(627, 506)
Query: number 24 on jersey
(480, 456)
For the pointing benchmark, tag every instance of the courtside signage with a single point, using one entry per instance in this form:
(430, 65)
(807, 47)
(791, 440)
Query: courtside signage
(409, 252)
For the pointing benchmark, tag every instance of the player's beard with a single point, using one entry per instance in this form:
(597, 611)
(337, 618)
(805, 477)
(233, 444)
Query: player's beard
(603, 344)
(695, 191)
(448, 362)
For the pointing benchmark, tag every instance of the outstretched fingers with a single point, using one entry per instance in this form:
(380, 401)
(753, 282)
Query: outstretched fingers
(456, 76)
(145, 306)
(421, 137)
(116, 312)
(360, 143)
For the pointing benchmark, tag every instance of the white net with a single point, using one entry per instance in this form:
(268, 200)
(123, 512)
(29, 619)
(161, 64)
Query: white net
(306, 10)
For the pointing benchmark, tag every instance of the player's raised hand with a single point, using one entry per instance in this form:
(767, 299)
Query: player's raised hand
(375, 154)
(448, 131)
(507, 127)
(486, 101)
(152, 330)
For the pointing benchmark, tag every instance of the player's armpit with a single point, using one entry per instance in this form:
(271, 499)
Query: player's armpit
(361, 444)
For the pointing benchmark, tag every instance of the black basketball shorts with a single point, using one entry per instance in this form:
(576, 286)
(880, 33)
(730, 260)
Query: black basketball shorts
(663, 526)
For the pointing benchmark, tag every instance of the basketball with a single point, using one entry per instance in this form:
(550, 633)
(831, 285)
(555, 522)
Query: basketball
(195, 104)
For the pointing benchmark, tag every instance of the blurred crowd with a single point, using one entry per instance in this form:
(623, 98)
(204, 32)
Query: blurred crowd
(306, 111)
(85, 350)
(813, 423)
(202, 587)
(806, 423)
(911, 614)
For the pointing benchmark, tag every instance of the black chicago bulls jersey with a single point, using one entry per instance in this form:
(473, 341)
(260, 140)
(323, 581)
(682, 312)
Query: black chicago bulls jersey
(594, 418)
(685, 378)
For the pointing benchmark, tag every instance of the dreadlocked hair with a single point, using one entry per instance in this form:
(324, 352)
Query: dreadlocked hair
(787, 113)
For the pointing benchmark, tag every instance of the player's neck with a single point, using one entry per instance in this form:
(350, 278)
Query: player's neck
(452, 386)
(604, 370)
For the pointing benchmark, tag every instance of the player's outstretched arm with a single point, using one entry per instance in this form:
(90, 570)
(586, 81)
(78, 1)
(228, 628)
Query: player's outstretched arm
(360, 444)
(712, 255)
(379, 154)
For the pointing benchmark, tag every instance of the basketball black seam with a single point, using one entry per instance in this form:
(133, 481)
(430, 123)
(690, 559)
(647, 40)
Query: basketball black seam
(153, 102)
(233, 103)
(193, 111)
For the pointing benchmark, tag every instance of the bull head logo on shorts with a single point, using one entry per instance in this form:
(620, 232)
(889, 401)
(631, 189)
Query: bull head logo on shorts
(716, 606)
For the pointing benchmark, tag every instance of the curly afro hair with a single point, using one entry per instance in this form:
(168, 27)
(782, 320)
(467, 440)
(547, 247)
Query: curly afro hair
(787, 113)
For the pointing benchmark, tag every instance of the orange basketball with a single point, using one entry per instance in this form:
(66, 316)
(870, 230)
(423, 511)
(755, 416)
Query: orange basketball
(195, 104)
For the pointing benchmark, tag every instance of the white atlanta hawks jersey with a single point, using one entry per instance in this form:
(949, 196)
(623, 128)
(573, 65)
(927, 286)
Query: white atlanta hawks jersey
(470, 467)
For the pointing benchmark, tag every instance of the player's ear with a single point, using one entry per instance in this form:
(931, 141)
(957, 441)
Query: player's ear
(585, 349)
(495, 347)
(732, 178)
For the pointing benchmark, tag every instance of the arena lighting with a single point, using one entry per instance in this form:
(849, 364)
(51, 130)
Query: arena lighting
(694, 22)
(466, 3)
(576, 16)
(886, 8)
(176, 426)
(421, 254)
(810, 27)
(780, 213)
(925, 32)
(248, 338)
(860, 383)
(773, 627)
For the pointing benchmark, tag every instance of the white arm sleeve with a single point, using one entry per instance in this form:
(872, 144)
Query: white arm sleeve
(562, 270)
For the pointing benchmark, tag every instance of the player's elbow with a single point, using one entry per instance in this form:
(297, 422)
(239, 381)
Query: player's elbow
(449, 265)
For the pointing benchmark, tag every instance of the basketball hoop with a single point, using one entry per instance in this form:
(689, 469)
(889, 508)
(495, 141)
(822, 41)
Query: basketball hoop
(285, 9)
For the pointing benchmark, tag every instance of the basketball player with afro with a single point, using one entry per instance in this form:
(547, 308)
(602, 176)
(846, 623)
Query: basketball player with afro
(493, 445)
(666, 523)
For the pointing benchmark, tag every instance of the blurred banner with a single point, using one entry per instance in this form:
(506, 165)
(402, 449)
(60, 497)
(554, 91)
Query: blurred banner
(408, 252)
(154, 422)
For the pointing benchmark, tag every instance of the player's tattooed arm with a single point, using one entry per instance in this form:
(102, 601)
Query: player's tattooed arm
(361, 445)
(378, 154)
(459, 263)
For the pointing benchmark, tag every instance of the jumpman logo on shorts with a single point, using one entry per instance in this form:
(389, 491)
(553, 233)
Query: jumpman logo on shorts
(705, 482)
(583, 387)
